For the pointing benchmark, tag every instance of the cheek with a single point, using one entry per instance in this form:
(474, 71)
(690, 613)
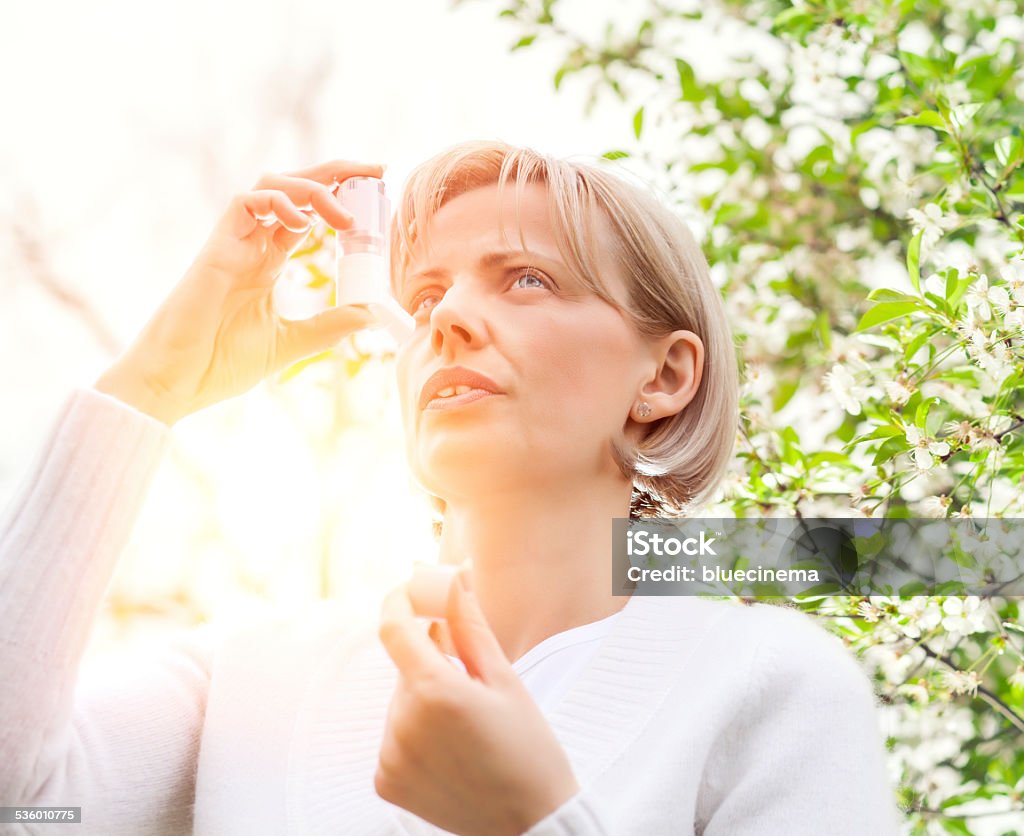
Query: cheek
(405, 379)
(588, 359)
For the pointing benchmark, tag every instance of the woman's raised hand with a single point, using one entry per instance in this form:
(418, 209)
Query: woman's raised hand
(217, 335)
(469, 751)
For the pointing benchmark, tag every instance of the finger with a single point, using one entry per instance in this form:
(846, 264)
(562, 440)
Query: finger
(479, 649)
(299, 338)
(405, 641)
(308, 194)
(275, 206)
(335, 171)
(287, 241)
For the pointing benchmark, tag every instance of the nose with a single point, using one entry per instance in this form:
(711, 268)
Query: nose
(455, 320)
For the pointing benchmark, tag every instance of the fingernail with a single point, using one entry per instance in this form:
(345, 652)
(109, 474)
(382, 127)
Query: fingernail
(371, 314)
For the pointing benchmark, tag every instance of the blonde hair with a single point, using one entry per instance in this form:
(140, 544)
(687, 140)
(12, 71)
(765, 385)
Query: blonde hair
(683, 456)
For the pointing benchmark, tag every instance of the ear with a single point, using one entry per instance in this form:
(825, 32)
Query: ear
(680, 363)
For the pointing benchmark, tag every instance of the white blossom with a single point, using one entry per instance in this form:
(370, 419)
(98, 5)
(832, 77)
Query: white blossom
(931, 222)
(981, 297)
(897, 392)
(924, 447)
(922, 614)
(963, 616)
(843, 385)
(934, 506)
(1013, 275)
(916, 691)
(956, 93)
(992, 355)
(962, 682)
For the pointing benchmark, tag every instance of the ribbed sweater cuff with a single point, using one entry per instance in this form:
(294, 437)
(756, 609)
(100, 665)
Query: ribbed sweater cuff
(68, 521)
(576, 817)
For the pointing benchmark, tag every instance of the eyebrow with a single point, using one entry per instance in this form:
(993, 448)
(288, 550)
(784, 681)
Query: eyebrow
(486, 261)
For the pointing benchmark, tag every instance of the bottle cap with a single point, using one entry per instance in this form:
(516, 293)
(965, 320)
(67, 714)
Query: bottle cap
(363, 275)
(366, 199)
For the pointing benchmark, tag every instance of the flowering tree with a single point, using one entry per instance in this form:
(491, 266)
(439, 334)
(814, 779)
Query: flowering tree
(854, 172)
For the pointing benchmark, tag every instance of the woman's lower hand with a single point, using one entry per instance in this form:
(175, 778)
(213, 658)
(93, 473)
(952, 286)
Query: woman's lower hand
(469, 751)
(217, 334)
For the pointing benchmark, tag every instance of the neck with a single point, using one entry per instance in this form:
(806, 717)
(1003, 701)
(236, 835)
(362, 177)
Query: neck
(541, 564)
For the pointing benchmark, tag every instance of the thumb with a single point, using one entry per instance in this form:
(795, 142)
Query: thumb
(299, 338)
(472, 636)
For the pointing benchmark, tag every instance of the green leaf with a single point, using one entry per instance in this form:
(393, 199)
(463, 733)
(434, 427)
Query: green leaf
(890, 449)
(787, 17)
(783, 392)
(885, 294)
(956, 826)
(921, 416)
(689, 90)
(915, 345)
(928, 118)
(884, 431)
(615, 155)
(951, 278)
(793, 21)
(726, 211)
(526, 40)
(913, 261)
(559, 75)
(1008, 149)
(791, 452)
(638, 122)
(919, 67)
(826, 456)
(961, 288)
(824, 327)
(883, 312)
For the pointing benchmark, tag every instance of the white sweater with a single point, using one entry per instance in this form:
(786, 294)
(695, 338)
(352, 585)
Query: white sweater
(691, 717)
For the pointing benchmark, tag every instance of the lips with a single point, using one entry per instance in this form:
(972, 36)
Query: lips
(455, 376)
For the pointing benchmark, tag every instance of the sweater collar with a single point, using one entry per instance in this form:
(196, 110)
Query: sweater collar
(341, 720)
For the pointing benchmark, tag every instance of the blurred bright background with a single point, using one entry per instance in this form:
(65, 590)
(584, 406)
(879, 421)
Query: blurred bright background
(129, 127)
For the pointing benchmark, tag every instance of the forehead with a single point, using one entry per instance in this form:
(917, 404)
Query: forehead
(480, 217)
(478, 222)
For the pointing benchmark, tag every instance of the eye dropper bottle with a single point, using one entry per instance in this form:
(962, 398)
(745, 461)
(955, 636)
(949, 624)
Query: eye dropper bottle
(363, 277)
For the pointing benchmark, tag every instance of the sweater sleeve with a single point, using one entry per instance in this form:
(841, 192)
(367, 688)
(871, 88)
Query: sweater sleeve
(577, 816)
(122, 747)
(805, 753)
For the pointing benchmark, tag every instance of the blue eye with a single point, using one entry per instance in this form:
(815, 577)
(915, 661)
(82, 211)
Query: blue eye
(532, 274)
(418, 304)
(416, 307)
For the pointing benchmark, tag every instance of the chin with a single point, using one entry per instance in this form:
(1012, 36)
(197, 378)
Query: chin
(466, 472)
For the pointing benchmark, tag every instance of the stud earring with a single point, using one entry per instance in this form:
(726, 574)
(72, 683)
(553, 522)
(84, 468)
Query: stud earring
(644, 409)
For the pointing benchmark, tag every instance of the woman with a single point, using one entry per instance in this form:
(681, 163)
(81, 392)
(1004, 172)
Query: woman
(602, 384)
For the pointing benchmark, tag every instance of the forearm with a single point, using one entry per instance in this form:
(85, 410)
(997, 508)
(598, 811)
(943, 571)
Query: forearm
(128, 387)
(60, 538)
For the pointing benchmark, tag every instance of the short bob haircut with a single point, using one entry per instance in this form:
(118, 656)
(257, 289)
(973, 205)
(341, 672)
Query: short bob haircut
(683, 457)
